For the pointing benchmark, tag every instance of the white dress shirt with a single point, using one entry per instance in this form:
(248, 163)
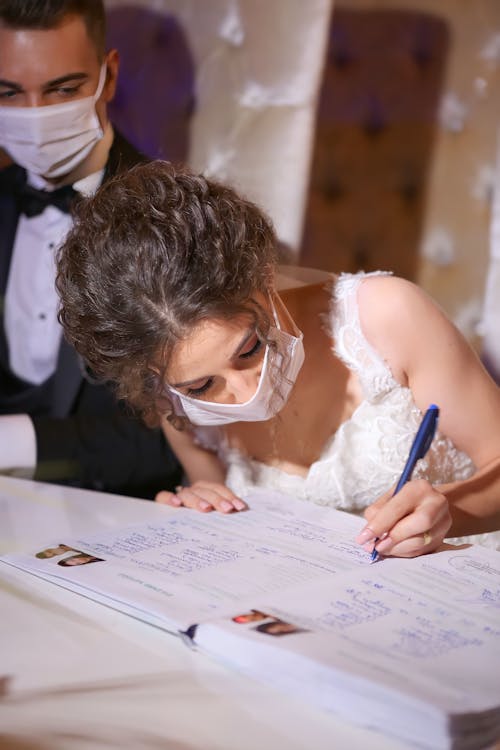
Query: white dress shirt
(31, 326)
(31, 302)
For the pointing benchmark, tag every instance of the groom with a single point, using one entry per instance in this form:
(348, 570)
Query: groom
(56, 423)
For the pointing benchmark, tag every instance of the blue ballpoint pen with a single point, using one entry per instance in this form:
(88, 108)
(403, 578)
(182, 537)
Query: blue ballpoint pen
(420, 446)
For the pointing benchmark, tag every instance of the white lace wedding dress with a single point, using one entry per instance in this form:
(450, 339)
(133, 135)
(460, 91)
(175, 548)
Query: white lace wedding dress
(367, 453)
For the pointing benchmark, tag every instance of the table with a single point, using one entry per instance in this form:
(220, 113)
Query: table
(82, 676)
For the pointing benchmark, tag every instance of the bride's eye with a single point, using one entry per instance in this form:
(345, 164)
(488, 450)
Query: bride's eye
(253, 346)
(202, 388)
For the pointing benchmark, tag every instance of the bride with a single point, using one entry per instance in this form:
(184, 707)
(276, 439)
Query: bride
(169, 287)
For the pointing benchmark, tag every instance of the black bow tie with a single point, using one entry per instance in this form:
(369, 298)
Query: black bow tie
(31, 201)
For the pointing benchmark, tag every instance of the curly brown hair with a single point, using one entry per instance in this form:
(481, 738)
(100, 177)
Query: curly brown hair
(157, 250)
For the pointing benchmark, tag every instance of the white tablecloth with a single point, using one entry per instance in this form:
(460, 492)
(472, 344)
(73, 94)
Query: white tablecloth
(80, 675)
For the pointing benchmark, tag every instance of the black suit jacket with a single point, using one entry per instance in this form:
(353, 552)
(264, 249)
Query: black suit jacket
(84, 436)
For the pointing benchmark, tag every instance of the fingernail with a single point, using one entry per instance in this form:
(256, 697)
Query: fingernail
(226, 506)
(367, 535)
(384, 545)
(239, 504)
(203, 505)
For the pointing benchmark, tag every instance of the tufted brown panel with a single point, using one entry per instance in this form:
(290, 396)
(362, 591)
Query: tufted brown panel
(376, 124)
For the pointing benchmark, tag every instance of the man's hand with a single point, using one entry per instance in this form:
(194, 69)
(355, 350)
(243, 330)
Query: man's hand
(17, 445)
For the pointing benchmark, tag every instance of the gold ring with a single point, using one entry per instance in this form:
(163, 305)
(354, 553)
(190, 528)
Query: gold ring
(427, 539)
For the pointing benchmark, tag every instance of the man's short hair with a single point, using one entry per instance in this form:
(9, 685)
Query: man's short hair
(48, 14)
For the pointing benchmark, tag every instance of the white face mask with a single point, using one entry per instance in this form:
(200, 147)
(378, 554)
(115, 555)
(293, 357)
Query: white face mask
(282, 361)
(52, 140)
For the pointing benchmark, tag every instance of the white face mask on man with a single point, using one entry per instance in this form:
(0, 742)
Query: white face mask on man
(283, 360)
(52, 140)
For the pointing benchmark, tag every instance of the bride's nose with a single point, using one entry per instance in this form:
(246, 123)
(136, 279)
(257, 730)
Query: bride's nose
(242, 384)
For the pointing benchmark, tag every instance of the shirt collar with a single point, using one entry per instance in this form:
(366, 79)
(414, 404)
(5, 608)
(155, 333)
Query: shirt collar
(86, 186)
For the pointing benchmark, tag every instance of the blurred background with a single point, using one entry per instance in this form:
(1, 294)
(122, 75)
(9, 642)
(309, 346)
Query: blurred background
(367, 129)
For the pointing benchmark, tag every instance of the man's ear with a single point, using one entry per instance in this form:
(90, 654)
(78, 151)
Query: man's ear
(112, 61)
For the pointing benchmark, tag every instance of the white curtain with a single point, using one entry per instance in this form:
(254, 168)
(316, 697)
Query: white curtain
(258, 71)
(490, 327)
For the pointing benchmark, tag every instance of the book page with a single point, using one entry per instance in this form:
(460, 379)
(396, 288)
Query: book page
(414, 633)
(191, 566)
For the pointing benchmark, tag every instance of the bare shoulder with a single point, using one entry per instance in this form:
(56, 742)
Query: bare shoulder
(397, 316)
(383, 296)
(427, 353)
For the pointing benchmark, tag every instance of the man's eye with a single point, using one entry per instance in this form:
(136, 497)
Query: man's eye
(65, 90)
(10, 94)
(254, 349)
(201, 389)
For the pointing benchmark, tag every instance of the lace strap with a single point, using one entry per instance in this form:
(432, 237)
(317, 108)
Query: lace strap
(350, 344)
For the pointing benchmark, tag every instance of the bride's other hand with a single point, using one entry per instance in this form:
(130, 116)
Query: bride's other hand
(204, 497)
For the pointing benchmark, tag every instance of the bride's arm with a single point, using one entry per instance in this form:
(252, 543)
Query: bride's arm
(205, 473)
(475, 502)
(428, 354)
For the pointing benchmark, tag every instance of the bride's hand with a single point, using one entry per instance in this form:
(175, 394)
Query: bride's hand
(411, 523)
(203, 496)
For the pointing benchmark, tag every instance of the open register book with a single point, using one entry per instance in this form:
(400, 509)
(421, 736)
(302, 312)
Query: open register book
(282, 593)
